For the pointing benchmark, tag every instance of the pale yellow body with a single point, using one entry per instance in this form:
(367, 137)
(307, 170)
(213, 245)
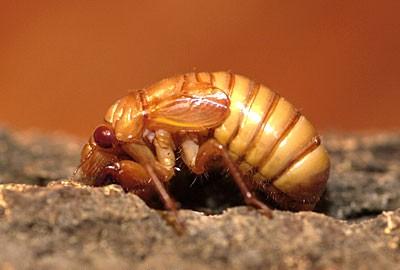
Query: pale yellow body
(266, 133)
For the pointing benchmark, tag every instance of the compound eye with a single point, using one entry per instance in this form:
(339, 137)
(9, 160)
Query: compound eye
(104, 137)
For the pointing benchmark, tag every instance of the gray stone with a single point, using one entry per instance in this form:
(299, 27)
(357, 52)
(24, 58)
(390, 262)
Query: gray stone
(67, 226)
(33, 158)
(365, 175)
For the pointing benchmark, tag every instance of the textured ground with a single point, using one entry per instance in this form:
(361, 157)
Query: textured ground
(68, 226)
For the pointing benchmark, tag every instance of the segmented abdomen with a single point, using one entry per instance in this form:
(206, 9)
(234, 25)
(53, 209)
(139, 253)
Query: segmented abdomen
(270, 138)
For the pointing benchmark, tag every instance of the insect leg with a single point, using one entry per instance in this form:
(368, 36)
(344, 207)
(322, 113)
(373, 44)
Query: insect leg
(189, 152)
(164, 147)
(144, 182)
(142, 154)
(155, 169)
(212, 148)
(131, 176)
(169, 203)
(162, 167)
(137, 178)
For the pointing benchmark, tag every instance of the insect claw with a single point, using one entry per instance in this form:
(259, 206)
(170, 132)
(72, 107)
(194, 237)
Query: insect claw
(172, 218)
(260, 207)
(266, 212)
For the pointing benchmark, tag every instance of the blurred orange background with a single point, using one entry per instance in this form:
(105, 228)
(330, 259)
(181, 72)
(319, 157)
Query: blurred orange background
(62, 63)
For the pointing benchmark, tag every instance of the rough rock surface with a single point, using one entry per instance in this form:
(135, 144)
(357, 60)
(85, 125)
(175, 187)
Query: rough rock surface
(69, 226)
(72, 227)
(33, 158)
(365, 175)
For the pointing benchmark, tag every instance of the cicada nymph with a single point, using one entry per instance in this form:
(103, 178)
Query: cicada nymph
(269, 147)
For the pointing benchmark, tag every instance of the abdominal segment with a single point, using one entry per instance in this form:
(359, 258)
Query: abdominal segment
(271, 140)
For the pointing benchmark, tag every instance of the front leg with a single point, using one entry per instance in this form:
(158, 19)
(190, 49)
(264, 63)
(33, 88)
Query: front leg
(131, 176)
(139, 179)
(157, 171)
(165, 148)
(141, 153)
(143, 181)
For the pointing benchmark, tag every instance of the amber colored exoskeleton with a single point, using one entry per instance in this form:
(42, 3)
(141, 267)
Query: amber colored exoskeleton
(215, 120)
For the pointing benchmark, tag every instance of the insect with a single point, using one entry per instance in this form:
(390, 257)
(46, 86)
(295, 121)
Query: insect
(216, 120)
